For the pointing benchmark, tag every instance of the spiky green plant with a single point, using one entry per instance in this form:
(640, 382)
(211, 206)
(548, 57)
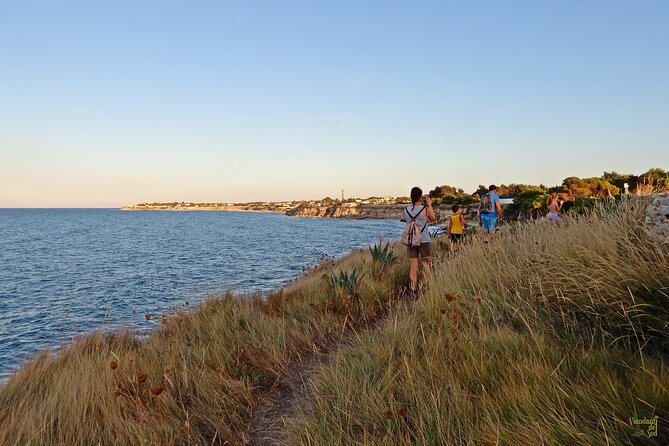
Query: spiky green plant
(344, 283)
(382, 257)
(342, 291)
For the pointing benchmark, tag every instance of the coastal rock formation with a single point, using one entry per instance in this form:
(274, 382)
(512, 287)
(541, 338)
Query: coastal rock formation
(230, 207)
(657, 217)
(346, 210)
(360, 211)
(325, 209)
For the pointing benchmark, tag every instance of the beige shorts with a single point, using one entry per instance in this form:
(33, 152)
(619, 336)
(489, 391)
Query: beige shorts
(424, 250)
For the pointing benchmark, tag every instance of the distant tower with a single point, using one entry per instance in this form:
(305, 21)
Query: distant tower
(342, 195)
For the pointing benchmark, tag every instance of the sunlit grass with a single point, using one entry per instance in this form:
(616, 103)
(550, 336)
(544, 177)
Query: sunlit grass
(550, 335)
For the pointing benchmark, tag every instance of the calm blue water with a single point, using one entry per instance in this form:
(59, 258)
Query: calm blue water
(68, 271)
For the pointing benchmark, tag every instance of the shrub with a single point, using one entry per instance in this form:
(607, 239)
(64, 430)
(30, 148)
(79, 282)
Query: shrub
(583, 204)
(526, 204)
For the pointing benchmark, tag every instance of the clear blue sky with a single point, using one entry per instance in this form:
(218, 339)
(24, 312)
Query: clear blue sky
(111, 103)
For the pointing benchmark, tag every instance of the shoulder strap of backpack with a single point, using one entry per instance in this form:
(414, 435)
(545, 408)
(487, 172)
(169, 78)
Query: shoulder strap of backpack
(413, 217)
(427, 220)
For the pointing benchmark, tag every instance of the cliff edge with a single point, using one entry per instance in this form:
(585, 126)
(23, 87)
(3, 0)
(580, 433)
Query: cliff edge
(347, 210)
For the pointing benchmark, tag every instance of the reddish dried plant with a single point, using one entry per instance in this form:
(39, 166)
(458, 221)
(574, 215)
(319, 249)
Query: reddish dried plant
(158, 389)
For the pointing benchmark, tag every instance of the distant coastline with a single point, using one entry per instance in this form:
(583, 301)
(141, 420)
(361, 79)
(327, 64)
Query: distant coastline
(522, 200)
(386, 208)
(375, 208)
(212, 207)
(197, 209)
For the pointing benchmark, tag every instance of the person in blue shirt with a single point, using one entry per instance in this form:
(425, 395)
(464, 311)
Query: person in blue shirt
(490, 211)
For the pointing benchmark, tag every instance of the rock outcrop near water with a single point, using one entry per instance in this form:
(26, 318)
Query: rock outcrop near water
(657, 218)
(393, 212)
(342, 211)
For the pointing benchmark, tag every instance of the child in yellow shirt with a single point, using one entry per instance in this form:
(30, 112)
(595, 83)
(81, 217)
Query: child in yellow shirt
(455, 226)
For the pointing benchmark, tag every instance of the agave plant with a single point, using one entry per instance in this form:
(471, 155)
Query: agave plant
(382, 256)
(343, 285)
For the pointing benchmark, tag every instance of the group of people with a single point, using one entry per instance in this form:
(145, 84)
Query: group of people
(420, 211)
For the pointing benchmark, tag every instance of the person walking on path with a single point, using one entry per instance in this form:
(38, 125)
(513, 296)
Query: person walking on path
(422, 213)
(455, 226)
(490, 211)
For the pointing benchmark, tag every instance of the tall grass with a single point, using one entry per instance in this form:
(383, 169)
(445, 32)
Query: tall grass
(195, 379)
(551, 334)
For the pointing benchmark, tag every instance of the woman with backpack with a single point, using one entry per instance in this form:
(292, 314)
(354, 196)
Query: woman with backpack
(417, 237)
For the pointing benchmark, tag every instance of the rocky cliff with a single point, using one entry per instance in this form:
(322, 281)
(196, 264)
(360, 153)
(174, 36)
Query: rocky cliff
(393, 212)
(339, 211)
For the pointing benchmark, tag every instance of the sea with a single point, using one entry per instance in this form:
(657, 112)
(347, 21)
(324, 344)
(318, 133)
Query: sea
(66, 272)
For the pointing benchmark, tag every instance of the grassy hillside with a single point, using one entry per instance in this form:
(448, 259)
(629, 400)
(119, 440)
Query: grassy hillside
(196, 379)
(549, 335)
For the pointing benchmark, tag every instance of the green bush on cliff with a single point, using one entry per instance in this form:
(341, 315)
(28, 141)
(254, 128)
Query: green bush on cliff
(449, 195)
(589, 187)
(654, 180)
(572, 188)
(583, 204)
(527, 204)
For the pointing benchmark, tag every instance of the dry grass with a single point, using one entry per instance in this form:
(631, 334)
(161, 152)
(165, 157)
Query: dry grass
(550, 335)
(194, 380)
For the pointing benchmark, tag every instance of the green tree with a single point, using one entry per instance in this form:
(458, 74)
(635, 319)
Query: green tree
(528, 203)
(481, 191)
(588, 187)
(441, 191)
(619, 180)
(654, 180)
(449, 195)
(513, 189)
